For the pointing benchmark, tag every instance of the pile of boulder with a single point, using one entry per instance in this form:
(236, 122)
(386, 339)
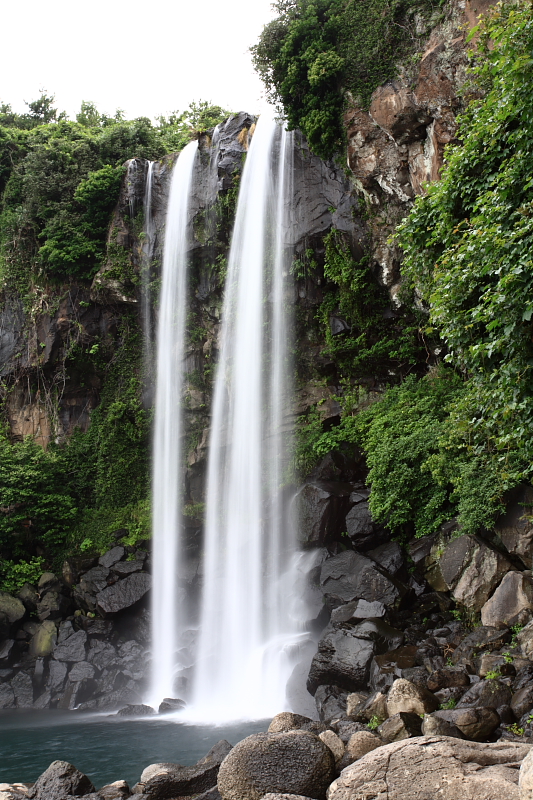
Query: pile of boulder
(294, 762)
(79, 640)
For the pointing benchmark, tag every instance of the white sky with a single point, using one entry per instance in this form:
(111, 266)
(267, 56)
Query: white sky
(148, 58)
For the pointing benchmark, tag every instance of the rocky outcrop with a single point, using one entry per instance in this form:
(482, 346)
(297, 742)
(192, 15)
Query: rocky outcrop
(297, 762)
(423, 767)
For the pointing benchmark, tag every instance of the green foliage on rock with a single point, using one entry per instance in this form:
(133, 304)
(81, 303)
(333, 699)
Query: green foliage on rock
(61, 179)
(316, 50)
(468, 246)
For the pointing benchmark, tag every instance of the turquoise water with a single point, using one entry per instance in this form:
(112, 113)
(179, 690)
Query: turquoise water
(105, 748)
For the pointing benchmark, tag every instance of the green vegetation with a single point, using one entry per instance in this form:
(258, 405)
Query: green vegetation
(317, 50)
(60, 181)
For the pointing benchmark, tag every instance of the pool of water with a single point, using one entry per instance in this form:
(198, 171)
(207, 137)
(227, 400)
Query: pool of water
(104, 748)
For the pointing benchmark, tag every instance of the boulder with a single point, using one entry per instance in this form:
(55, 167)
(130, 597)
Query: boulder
(335, 744)
(123, 593)
(112, 556)
(92, 582)
(173, 780)
(433, 767)
(8, 652)
(374, 706)
(483, 639)
(344, 728)
(472, 570)
(361, 743)
(29, 597)
(48, 582)
(321, 510)
(54, 606)
(135, 710)
(277, 796)
(43, 641)
(71, 649)
(525, 640)
(115, 791)
(169, 704)
(81, 671)
(330, 702)
(433, 725)
(296, 762)
(525, 779)
(352, 576)
(23, 690)
(515, 528)
(343, 659)
(385, 668)
(511, 603)
(404, 696)
(123, 568)
(403, 725)
(7, 696)
(522, 701)
(287, 721)
(389, 556)
(474, 723)
(488, 693)
(357, 610)
(12, 608)
(447, 678)
(59, 781)
(57, 676)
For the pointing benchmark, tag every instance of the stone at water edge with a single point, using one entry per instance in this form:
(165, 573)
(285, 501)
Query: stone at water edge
(170, 704)
(430, 767)
(115, 791)
(60, 780)
(287, 721)
(136, 710)
(296, 762)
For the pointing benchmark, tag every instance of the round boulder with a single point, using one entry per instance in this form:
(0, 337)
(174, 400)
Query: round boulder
(287, 721)
(293, 762)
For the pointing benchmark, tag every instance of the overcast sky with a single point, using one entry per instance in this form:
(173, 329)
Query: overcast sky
(147, 58)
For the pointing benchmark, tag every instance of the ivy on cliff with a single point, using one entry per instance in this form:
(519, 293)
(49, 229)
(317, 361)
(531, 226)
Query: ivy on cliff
(316, 50)
(468, 251)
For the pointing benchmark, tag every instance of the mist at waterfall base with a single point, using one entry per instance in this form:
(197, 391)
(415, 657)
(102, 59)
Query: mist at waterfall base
(106, 748)
(244, 645)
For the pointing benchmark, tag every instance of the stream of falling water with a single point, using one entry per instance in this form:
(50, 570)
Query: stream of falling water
(167, 459)
(246, 627)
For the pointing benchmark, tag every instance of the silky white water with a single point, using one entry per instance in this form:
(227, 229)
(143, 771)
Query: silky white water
(167, 475)
(246, 628)
(147, 252)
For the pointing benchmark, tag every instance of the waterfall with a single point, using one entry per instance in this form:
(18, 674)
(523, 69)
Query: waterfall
(246, 629)
(167, 456)
(146, 265)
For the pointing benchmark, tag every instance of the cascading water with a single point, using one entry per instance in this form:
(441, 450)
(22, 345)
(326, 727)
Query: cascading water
(147, 252)
(167, 456)
(246, 628)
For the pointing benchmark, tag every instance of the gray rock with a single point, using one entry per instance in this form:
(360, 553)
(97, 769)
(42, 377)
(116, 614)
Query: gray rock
(448, 677)
(472, 570)
(124, 593)
(59, 781)
(277, 796)
(139, 710)
(433, 725)
(343, 659)
(515, 528)
(7, 696)
(72, 649)
(481, 639)
(522, 701)
(92, 582)
(23, 689)
(43, 641)
(525, 779)
(13, 608)
(320, 513)
(511, 603)
(127, 567)
(53, 606)
(29, 597)
(361, 743)
(101, 654)
(170, 704)
(296, 762)
(82, 670)
(112, 556)
(433, 766)
(48, 582)
(475, 723)
(351, 576)
(489, 693)
(287, 721)
(404, 696)
(57, 676)
(389, 556)
(374, 706)
(43, 701)
(335, 744)
(115, 791)
(403, 725)
(525, 640)
(356, 610)
(173, 780)
(359, 524)
(211, 794)
(8, 650)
